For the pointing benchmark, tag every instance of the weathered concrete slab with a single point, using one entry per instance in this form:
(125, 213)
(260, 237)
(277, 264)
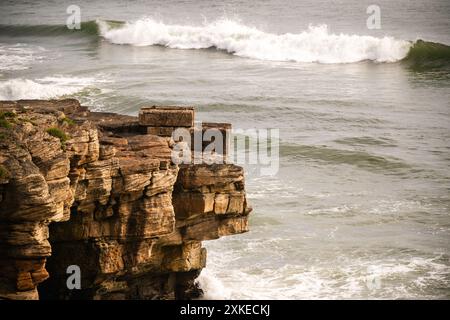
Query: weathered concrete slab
(166, 116)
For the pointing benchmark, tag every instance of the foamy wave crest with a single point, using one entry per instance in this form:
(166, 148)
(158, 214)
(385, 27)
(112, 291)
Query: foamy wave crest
(45, 88)
(316, 44)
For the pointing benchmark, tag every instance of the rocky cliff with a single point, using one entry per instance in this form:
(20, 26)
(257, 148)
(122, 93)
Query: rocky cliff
(100, 191)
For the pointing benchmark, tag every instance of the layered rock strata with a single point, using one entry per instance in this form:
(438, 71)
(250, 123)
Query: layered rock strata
(101, 192)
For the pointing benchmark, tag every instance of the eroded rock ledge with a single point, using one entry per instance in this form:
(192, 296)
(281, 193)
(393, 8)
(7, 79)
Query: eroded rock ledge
(97, 191)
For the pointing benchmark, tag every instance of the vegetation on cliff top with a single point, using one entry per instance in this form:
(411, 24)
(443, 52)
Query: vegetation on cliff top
(58, 133)
(5, 118)
(69, 121)
(5, 123)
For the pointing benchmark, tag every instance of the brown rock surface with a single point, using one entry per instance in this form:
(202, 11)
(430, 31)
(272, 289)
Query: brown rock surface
(105, 196)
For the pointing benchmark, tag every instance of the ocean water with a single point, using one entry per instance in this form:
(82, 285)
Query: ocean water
(360, 206)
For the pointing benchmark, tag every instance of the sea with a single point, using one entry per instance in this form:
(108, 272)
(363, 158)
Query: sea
(359, 92)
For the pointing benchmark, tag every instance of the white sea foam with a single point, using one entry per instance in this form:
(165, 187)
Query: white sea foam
(212, 287)
(19, 56)
(45, 88)
(316, 44)
(392, 280)
(229, 275)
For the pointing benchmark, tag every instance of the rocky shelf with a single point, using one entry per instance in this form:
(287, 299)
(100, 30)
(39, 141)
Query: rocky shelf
(100, 191)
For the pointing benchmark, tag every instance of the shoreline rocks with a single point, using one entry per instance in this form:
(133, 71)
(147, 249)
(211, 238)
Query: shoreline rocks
(97, 191)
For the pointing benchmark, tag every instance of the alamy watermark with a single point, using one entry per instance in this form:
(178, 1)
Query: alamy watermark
(255, 149)
(374, 19)
(74, 279)
(373, 281)
(73, 22)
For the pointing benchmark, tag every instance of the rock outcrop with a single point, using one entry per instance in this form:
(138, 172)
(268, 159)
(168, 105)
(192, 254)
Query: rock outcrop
(101, 192)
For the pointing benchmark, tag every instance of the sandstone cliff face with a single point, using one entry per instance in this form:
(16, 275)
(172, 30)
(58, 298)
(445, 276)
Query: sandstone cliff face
(96, 191)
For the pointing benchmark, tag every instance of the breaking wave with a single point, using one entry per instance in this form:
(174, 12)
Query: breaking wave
(316, 44)
(45, 88)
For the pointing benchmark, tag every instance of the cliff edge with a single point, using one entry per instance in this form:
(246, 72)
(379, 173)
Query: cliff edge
(100, 192)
